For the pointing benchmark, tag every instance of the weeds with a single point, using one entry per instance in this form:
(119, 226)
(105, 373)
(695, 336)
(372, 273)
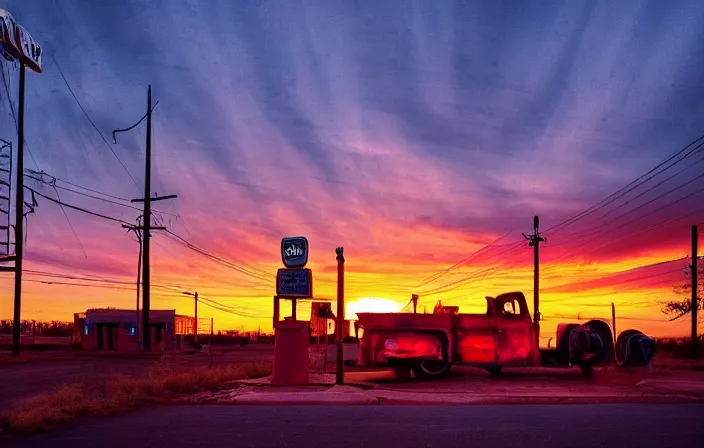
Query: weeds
(120, 393)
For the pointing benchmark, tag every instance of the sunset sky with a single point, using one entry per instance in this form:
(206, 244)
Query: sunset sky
(411, 133)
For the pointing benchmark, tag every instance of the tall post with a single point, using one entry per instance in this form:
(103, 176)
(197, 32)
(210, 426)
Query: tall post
(19, 218)
(277, 310)
(146, 227)
(325, 358)
(340, 374)
(414, 298)
(536, 273)
(293, 309)
(195, 322)
(146, 306)
(613, 319)
(139, 278)
(695, 287)
(534, 241)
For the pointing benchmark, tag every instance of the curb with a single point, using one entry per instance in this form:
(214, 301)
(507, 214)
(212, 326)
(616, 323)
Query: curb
(473, 402)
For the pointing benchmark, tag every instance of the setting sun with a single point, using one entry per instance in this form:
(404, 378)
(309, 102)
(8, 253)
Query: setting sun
(371, 305)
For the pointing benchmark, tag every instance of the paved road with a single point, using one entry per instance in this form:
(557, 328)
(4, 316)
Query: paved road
(386, 426)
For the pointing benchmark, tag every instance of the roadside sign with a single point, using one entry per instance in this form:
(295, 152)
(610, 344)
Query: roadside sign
(7, 37)
(294, 251)
(294, 283)
(17, 44)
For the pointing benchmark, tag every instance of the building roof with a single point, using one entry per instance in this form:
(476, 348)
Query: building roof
(114, 315)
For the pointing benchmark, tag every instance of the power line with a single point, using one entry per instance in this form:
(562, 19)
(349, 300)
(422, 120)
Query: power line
(92, 279)
(595, 233)
(630, 235)
(479, 275)
(614, 196)
(75, 207)
(83, 249)
(87, 189)
(250, 271)
(121, 288)
(471, 278)
(622, 282)
(93, 123)
(473, 255)
(53, 185)
(225, 308)
(76, 277)
(654, 186)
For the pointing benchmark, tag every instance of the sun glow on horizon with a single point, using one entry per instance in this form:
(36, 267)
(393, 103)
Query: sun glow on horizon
(371, 305)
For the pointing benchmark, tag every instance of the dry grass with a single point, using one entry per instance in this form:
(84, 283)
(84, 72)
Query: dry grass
(664, 361)
(120, 393)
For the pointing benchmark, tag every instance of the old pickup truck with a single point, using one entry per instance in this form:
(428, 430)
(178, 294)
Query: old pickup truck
(505, 336)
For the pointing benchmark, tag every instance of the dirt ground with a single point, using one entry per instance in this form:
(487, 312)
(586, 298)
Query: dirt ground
(38, 372)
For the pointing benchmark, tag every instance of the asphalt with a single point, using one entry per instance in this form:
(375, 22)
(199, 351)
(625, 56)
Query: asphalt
(495, 426)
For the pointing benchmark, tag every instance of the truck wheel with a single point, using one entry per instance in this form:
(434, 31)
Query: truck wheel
(402, 372)
(494, 370)
(431, 369)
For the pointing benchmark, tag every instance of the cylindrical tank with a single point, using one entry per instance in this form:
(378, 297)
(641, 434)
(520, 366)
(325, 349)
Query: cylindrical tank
(590, 344)
(633, 348)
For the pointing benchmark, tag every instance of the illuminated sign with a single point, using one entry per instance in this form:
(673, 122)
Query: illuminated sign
(294, 283)
(31, 51)
(7, 36)
(294, 251)
(17, 44)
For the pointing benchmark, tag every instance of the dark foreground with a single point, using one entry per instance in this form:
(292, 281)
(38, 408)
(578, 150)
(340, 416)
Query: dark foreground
(386, 426)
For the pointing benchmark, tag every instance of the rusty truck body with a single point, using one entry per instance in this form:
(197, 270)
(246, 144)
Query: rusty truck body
(504, 336)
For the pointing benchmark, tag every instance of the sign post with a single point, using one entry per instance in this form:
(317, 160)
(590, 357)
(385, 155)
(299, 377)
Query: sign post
(294, 281)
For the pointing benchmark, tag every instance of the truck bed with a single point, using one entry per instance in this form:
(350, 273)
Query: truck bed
(402, 321)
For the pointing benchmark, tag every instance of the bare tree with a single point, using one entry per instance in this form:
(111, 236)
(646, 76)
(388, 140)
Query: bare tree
(682, 307)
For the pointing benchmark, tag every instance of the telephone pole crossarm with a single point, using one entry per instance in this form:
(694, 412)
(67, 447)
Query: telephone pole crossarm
(156, 198)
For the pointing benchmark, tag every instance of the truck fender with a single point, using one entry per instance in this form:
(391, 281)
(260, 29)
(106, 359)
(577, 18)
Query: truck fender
(432, 344)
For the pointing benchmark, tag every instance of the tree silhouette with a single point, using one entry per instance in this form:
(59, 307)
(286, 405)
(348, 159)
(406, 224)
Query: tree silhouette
(680, 308)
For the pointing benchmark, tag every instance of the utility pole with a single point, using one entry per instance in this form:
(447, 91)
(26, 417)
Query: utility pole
(138, 232)
(146, 305)
(695, 288)
(195, 323)
(340, 374)
(195, 326)
(414, 299)
(534, 241)
(146, 224)
(19, 219)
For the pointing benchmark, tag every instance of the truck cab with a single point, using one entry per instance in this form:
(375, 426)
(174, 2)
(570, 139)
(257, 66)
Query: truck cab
(514, 331)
